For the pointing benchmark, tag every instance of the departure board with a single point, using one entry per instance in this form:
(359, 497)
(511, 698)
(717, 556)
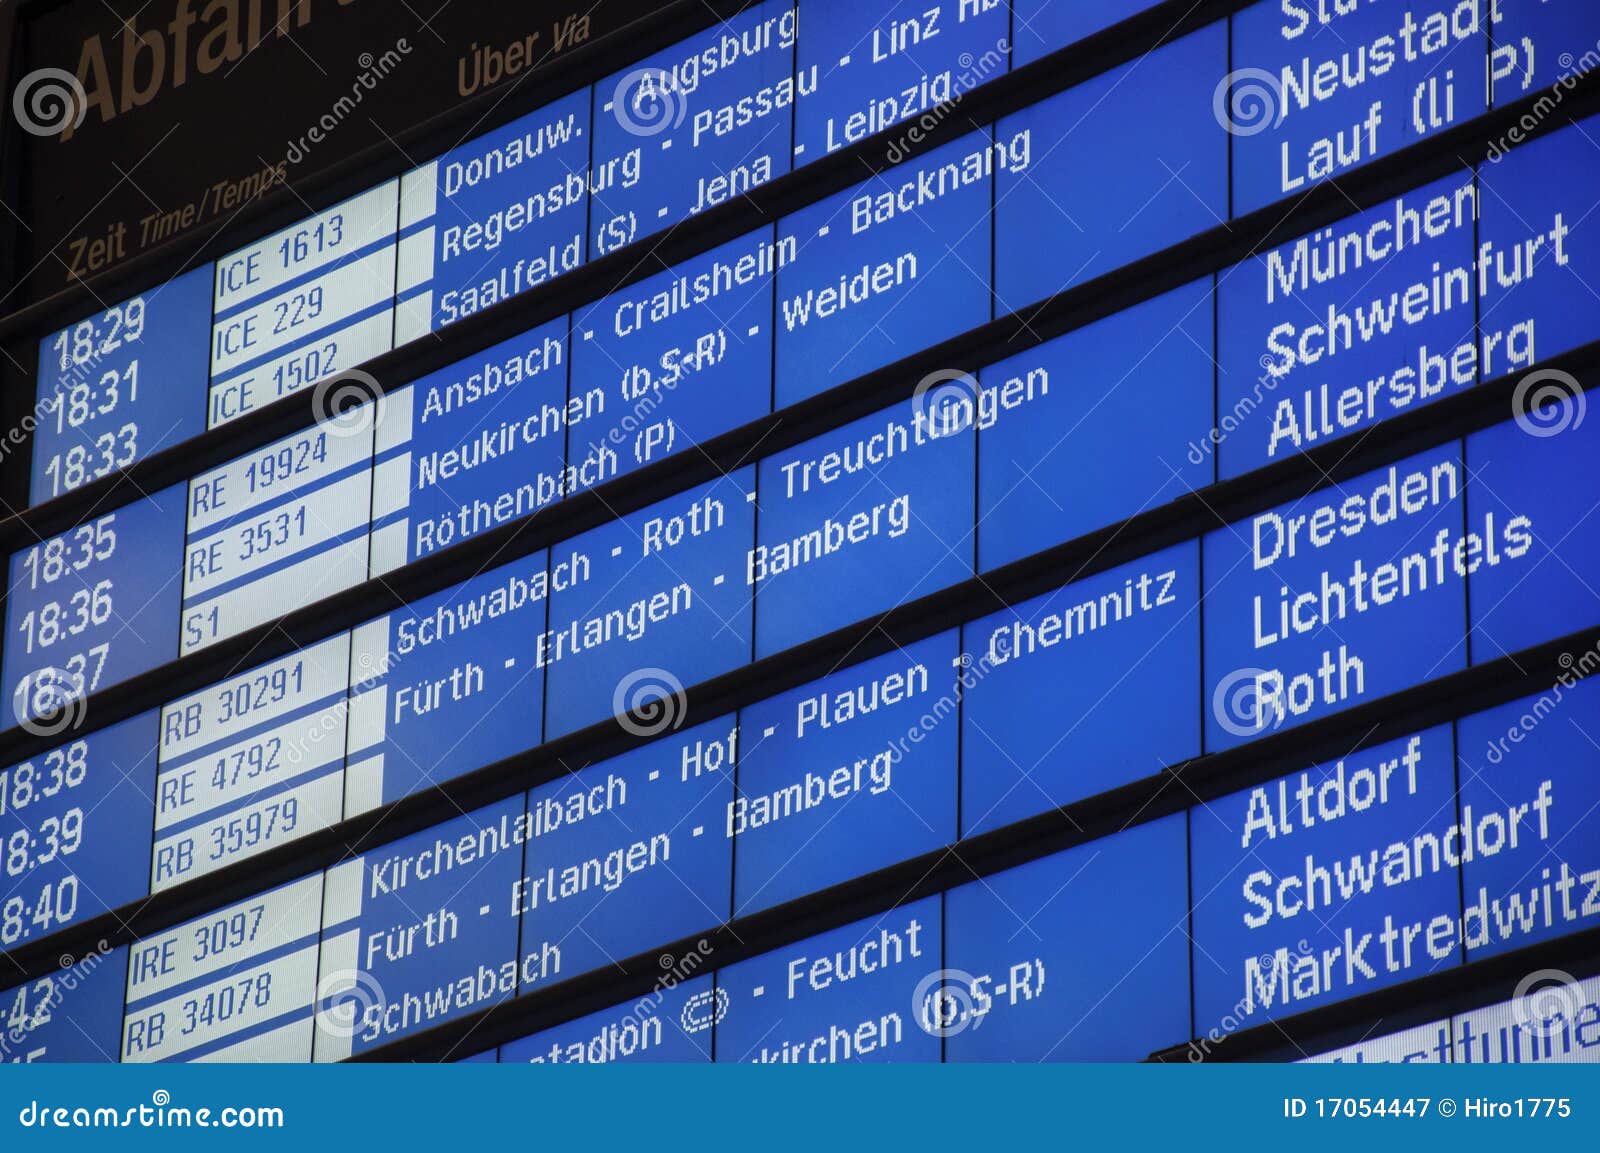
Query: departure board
(783, 566)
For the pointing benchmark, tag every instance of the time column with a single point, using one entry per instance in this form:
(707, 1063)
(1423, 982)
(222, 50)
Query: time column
(92, 607)
(116, 387)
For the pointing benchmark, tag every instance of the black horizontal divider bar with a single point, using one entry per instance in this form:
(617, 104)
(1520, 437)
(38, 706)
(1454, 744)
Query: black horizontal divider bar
(1433, 997)
(1184, 519)
(1162, 794)
(1202, 255)
(590, 282)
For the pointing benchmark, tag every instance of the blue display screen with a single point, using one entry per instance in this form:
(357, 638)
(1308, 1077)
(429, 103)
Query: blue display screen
(863, 70)
(1159, 171)
(847, 995)
(451, 682)
(497, 216)
(70, 1015)
(92, 607)
(121, 385)
(1042, 26)
(1521, 494)
(1528, 804)
(880, 270)
(847, 774)
(1347, 595)
(702, 122)
(1094, 426)
(1320, 89)
(474, 445)
(1092, 655)
(423, 930)
(671, 1024)
(74, 828)
(1536, 43)
(1542, 256)
(864, 519)
(630, 852)
(1327, 883)
(676, 359)
(665, 602)
(1019, 985)
(1333, 332)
